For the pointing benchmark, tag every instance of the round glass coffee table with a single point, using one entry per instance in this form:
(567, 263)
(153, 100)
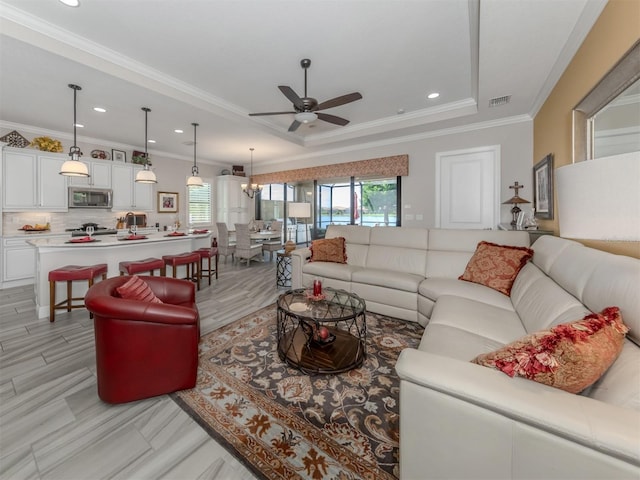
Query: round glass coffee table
(325, 334)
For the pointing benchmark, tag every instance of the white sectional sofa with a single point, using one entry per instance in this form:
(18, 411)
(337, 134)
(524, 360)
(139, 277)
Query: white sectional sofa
(462, 420)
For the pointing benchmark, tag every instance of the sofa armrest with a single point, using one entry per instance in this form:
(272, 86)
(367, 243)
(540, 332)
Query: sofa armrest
(529, 417)
(299, 257)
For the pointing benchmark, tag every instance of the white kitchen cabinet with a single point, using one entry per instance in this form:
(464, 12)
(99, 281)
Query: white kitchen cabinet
(99, 175)
(19, 260)
(233, 203)
(51, 185)
(31, 181)
(127, 194)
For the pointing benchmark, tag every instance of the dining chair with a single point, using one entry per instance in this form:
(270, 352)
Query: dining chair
(273, 245)
(244, 248)
(225, 247)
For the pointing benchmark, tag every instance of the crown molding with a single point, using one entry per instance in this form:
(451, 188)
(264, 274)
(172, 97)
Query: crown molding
(502, 122)
(98, 142)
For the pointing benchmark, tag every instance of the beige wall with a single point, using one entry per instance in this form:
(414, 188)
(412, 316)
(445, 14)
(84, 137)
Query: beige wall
(617, 29)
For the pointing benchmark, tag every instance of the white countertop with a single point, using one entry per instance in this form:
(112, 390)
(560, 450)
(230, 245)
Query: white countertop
(107, 240)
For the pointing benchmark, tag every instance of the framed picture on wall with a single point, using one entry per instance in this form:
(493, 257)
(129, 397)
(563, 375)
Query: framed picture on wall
(167, 202)
(543, 188)
(118, 155)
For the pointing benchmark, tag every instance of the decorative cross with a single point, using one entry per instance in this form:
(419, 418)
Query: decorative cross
(516, 186)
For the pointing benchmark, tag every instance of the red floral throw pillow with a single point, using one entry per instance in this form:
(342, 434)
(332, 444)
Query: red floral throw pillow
(570, 356)
(136, 289)
(496, 266)
(329, 250)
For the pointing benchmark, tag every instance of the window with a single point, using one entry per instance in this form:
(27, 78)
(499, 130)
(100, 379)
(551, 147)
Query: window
(371, 202)
(199, 204)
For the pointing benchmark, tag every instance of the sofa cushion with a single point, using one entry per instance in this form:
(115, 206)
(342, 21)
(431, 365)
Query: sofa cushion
(433, 288)
(494, 323)
(496, 266)
(339, 271)
(620, 385)
(329, 250)
(570, 356)
(541, 302)
(137, 289)
(451, 342)
(387, 278)
(450, 249)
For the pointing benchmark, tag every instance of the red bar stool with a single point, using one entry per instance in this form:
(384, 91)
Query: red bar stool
(142, 266)
(208, 253)
(192, 262)
(70, 273)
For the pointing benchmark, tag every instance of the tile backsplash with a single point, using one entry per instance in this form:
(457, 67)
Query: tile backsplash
(74, 218)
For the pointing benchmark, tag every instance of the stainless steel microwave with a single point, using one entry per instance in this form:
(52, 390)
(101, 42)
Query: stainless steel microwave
(82, 197)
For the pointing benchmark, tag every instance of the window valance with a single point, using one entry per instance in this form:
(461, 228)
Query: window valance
(397, 165)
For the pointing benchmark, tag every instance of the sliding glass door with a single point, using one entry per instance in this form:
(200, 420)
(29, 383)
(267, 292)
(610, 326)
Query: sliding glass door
(345, 201)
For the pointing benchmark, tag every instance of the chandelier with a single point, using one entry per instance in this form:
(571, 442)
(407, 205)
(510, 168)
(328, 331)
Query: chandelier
(252, 188)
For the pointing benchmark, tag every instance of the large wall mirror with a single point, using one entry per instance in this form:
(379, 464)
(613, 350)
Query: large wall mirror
(607, 121)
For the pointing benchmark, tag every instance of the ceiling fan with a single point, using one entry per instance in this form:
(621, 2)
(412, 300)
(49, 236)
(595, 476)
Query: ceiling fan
(306, 109)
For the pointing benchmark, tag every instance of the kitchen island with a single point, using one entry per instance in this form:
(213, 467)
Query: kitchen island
(52, 253)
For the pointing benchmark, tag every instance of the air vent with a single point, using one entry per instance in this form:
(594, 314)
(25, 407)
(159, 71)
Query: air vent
(498, 101)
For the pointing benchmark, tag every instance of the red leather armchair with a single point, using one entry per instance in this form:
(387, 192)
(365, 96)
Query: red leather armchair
(144, 349)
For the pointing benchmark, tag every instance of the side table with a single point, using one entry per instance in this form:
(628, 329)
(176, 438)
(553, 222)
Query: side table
(283, 269)
(533, 234)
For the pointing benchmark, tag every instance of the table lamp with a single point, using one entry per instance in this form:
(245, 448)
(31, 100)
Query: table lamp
(515, 200)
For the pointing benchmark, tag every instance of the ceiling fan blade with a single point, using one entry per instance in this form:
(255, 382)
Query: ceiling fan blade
(294, 126)
(332, 119)
(292, 96)
(268, 113)
(335, 102)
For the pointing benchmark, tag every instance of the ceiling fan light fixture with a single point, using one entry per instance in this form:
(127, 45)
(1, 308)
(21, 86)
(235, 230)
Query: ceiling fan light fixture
(306, 117)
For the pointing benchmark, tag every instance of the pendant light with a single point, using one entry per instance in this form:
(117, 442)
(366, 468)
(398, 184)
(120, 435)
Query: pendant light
(194, 180)
(74, 167)
(252, 188)
(146, 175)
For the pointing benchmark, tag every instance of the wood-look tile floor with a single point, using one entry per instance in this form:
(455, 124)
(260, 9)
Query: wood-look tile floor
(54, 426)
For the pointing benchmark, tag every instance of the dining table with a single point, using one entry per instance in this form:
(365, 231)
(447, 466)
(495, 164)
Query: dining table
(265, 235)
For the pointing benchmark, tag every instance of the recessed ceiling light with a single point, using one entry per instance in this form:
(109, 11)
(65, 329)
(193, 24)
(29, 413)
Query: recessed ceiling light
(177, 130)
(433, 95)
(99, 109)
(71, 3)
(151, 141)
(400, 111)
(79, 125)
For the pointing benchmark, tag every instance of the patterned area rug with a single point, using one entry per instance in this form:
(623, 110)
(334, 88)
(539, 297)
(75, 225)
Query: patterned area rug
(283, 424)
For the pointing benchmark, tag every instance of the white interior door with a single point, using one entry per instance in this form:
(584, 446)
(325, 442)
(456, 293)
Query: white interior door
(467, 188)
